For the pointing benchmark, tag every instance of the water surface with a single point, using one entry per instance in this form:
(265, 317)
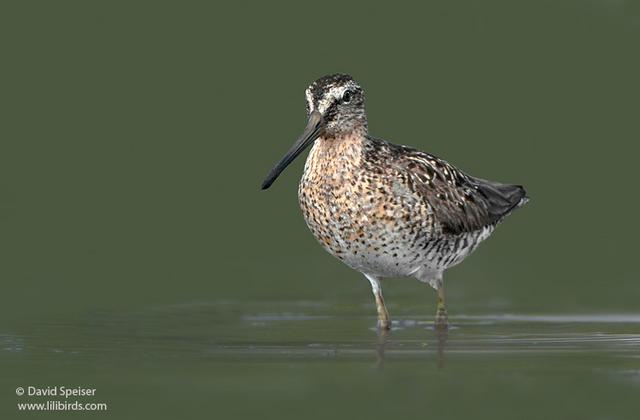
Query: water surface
(309, 360)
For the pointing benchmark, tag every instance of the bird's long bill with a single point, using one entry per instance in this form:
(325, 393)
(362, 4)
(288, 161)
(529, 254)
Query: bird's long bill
(312, 131)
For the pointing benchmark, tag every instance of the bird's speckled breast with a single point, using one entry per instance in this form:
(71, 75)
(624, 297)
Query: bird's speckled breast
(363, 214)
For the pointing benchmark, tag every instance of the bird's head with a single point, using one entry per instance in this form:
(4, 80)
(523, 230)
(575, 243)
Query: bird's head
(340, 101)
(335, 107)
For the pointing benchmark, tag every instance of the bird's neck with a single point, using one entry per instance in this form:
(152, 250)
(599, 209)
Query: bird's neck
(345, 148)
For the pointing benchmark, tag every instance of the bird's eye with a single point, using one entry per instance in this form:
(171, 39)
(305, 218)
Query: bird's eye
(346, 97)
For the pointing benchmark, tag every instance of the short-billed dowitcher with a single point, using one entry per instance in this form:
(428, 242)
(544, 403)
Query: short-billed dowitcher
(387, 210)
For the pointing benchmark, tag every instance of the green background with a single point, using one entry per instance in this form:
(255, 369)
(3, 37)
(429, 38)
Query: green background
(134, 138)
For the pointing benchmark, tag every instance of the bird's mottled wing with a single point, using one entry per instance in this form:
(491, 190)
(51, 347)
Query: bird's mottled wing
(461, 203)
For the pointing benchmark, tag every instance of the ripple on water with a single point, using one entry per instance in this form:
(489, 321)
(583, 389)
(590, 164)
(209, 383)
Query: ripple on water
(227, 330)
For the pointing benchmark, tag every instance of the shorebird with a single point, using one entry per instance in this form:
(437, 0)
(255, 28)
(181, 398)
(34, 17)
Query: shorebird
(383, 209)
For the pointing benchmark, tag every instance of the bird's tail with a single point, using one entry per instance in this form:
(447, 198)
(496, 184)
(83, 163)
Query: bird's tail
(502, 199)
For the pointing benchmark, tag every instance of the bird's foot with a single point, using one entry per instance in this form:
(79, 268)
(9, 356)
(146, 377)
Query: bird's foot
(384, 324)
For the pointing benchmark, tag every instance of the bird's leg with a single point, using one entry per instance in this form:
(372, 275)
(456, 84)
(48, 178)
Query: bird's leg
(441, 311)
(384, 323)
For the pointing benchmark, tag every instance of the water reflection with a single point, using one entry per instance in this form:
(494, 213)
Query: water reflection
(441, 341)
(384, 336)
(299, 331)
(440, 336)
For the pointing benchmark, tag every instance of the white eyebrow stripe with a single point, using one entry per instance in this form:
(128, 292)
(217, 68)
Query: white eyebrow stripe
(334, 92)
(307, 94)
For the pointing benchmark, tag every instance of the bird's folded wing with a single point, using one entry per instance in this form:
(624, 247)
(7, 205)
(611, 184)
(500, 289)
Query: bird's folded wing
(461, 203)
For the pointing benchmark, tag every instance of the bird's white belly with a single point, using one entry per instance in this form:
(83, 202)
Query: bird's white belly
(382, 265)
